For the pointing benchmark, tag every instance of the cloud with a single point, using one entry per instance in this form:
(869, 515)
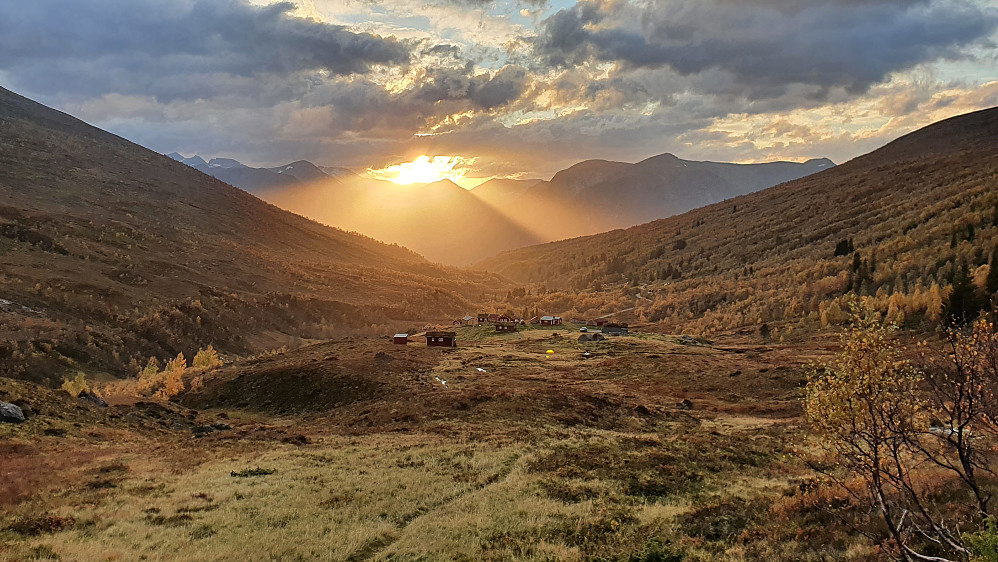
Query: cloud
(357, 82)
(183, 49)
(766, 45)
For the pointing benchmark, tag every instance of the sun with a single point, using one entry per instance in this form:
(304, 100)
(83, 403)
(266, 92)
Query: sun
(426, 169)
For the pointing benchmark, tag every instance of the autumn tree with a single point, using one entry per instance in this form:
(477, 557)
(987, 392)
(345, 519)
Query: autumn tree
(864, 409)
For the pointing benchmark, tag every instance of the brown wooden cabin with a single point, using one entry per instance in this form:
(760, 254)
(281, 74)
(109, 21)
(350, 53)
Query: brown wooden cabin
(401, 339)
(615, 330)
(441, 339)
(505, 327)
(550, 320)
(482, 319)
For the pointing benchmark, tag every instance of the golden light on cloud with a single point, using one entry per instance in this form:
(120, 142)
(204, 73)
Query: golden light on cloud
(426, 169)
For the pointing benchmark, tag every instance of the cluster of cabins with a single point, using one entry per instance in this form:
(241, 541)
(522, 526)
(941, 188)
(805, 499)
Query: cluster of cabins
(508, 324)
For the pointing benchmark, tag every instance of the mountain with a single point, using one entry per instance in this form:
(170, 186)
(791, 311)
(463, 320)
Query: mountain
(111, 254)
(302, 170)
(245, 177)
(500, 191)
(598, 195)
(914, 211)
(455, 226)
(441, 220)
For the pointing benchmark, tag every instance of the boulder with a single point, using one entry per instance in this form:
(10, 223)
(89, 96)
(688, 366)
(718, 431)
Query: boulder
(10, 413)
(685, 405)
(92, 397)
(585, 338)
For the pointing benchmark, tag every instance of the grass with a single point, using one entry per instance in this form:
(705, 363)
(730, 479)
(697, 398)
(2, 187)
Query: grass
(535, 459)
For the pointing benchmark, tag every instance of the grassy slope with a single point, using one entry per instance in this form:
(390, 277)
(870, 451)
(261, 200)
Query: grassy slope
(769, 255)
(536, 459)
(112, 253)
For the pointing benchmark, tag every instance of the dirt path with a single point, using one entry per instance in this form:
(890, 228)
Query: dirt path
(374, 548)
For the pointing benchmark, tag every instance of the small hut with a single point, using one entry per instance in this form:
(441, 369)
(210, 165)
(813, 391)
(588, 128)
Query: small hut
(615, 330)
(401, 339)
(441, 339)
(505, 327)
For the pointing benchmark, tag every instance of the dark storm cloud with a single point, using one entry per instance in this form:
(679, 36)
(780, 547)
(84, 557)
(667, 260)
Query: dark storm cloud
(766, 44)
(169, 49)
(486, 91)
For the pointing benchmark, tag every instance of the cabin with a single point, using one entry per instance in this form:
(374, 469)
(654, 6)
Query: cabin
(615, 330)
(468, 320)
(401, 339)
(493, 318)
(482, 319)
(441, 339)
(504, 318)
(506, 327)
(550, 320)
(600, 322)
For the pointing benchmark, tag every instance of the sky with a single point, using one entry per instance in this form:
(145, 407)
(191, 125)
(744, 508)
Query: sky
(508, 88)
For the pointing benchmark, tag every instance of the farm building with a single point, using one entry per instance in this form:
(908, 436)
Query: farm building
(505, 327)
(615, 330)
(441, 339)
(504, 318)
(401, 339)
(550, 320)
(601, 322)
(482, 319)
(468, 320)
(493, 318)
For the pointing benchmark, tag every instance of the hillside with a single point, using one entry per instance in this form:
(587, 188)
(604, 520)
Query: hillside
(913, 210)
(112, 254)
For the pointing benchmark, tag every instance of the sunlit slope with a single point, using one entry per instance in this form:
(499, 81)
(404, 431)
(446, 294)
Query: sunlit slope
(440, 220)
(112, 253)
(913, 209)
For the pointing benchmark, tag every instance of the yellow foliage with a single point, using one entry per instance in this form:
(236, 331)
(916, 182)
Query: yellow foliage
(206, 358)
(76, 385)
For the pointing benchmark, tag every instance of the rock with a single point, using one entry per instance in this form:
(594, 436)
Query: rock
(382, 357)
(642, 410)
(10, 413)
(219, 426)
(599, 337)
(685, 405)
(584, 338)
(26, 408)
(200, 430)
(92, 397)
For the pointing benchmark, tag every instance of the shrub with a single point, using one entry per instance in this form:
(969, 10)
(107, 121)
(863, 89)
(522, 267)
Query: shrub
(206, 358)
(76, 385)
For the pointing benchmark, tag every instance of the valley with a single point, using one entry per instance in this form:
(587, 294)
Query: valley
(188, 372)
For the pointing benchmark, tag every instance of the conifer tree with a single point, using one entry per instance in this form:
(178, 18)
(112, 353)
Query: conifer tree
(964, 303)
